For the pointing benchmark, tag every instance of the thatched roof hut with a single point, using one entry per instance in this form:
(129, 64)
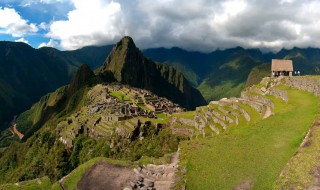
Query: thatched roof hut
(281, 67)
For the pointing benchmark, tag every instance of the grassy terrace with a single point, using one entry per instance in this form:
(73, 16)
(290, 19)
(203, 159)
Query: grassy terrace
(252, 153)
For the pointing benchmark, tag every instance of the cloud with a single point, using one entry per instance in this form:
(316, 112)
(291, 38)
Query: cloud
(92, 22)
(194, 25)
(26, 3)
(51, 43)
(12, 23)
(22, 40)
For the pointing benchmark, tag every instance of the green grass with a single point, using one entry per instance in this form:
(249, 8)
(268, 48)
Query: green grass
(187, 115)
(226, 89)
(29, 185)
(254, 152)
(298, 173)
(144, 160)
(119, 95)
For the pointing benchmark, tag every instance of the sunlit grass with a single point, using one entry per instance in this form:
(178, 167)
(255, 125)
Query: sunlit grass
(251, 152)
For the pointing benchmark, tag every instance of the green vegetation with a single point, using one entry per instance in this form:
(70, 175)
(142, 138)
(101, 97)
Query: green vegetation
(258, 73)
(302, 169)
(224, 90)
(229, 80)
(187, 115)
(252, 153)
(43, 183)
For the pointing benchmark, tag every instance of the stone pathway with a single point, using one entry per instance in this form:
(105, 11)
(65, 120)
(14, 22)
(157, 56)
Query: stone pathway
(154, 177)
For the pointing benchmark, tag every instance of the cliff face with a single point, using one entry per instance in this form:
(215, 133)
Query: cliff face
(129, 66)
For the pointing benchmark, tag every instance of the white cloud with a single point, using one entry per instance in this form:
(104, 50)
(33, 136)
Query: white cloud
(91, 23)
(51, 43)
(195, 25)
(26, 3)
(43, 26)
(22, 40)
(12, 23)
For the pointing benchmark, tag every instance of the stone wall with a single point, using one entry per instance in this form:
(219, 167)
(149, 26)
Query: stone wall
(279, 93)
(243, 112)
(257, 106)
(254, 98)
(304, 83)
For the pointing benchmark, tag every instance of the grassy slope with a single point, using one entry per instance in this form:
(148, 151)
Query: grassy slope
(30, 185)
(254, 152)
(70, 181)
(304, 166)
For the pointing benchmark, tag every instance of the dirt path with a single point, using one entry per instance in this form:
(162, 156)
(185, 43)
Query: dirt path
(15, 130)
(103, 175)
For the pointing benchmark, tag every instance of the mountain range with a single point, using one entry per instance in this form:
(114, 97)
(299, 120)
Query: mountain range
(26, 73)
(133, 114)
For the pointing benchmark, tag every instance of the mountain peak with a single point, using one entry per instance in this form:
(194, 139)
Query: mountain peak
(128, 66)
(127, 41)
(124, 54)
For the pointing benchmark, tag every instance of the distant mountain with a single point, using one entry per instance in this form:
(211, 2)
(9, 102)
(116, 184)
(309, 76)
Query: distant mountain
(129, 66)
(224, 73)
(26, 73)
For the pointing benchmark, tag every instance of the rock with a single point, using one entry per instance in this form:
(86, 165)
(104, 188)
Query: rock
(139, 178)
(132, 184)
(148, 183)
(136, 171)
(128, 188)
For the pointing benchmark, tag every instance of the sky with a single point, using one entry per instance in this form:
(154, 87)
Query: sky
(201, 25)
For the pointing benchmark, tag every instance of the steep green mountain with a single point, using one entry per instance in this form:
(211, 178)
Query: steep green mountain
(26, 73)
(129, 66)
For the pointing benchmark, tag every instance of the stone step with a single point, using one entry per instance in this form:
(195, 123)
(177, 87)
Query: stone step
(183, 131)
(214, 129)
(257, 98)
(255, 105)
(242, 111)
(221, 116)
(267, 113)
(282, 94)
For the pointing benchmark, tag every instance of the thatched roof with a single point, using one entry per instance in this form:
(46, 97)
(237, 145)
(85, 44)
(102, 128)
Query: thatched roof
(281, 65)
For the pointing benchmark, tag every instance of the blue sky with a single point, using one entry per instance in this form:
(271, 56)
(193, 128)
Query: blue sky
(39, 13)
(203, 25)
